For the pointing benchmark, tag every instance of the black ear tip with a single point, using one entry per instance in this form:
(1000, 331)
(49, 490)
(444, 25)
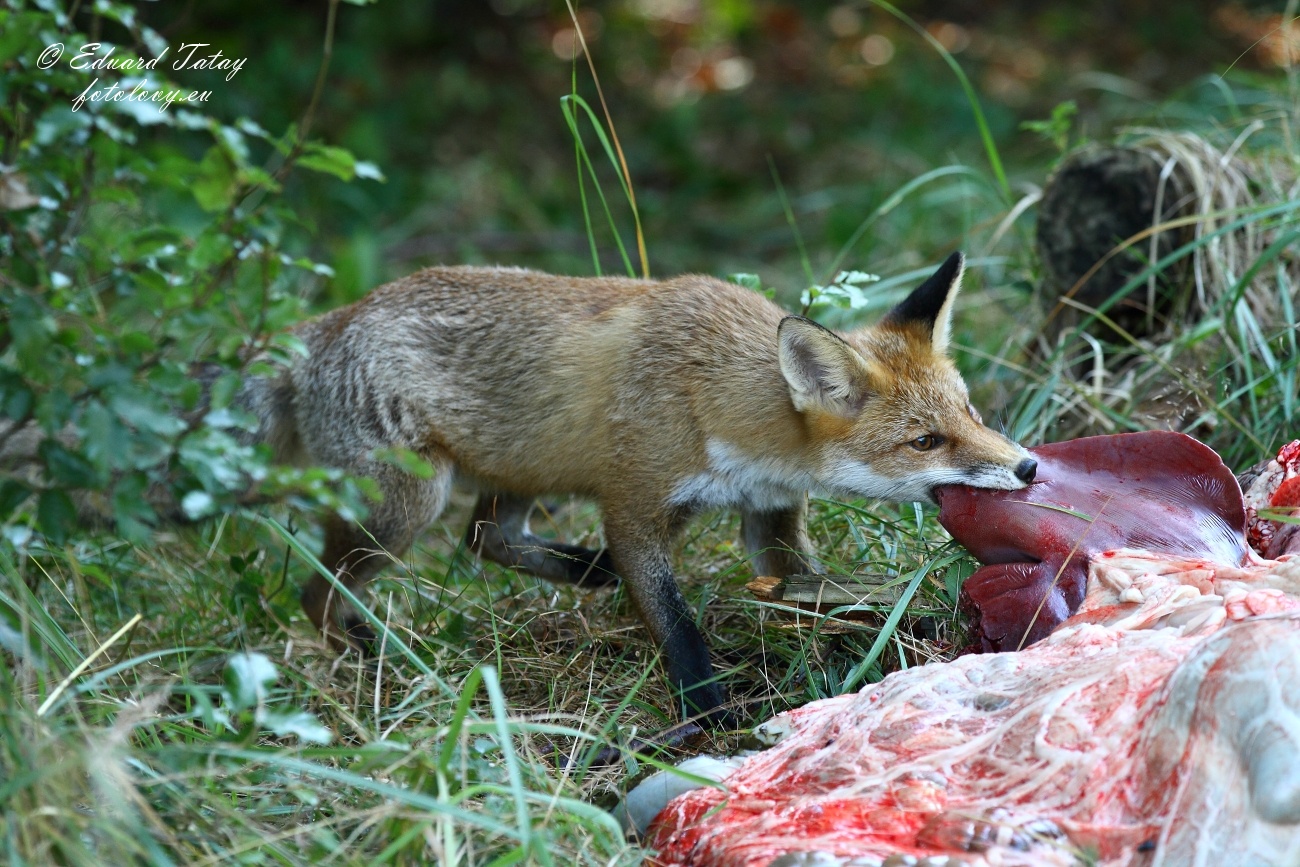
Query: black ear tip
(954, 263)
(927, 300)
(946, 274)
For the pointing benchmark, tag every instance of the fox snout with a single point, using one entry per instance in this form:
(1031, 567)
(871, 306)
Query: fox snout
(989, 461)
(1026, 470)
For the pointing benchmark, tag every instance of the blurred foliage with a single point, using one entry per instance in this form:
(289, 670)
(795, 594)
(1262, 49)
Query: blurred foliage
(138, 236)
(459, 102)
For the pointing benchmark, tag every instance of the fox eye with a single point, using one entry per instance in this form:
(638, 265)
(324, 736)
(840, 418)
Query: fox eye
(926, 442)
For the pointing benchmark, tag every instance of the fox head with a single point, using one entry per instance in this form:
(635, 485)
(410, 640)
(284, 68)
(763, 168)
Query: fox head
(885, 408)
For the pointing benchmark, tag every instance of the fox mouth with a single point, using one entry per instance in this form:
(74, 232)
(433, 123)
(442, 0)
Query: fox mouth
(948, 491)
(952, 489)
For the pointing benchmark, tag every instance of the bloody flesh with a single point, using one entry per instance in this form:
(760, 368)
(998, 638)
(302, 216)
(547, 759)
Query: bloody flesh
(1275, 491)
(1159, 724)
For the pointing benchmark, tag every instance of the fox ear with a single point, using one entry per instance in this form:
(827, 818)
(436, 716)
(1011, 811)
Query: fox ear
(930, 304)
(823, 371)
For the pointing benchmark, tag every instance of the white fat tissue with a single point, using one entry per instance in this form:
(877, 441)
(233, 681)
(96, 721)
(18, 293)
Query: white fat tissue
(1160, 725)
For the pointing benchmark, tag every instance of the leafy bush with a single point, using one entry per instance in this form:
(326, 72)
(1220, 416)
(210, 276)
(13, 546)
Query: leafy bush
(137, 236)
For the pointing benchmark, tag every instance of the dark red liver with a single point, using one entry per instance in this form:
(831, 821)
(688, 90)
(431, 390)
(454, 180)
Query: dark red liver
(1158, 491)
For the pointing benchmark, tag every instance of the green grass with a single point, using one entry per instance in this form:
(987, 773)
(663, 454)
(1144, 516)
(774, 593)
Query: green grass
(455, 754)
(1225, 369)
(471, 741)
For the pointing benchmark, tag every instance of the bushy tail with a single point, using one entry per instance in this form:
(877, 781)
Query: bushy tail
(271, 400)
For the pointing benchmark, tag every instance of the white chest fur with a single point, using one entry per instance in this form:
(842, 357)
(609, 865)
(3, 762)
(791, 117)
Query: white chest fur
(741, 481)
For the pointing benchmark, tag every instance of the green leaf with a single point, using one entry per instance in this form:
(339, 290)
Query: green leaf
(1056, 129)
(291, 343)
(153, 40)
(54, 409)
(223, 390)
(406, 460)
(133, 517)
(211, 248)
(856, 278)
(141, 410)
(249, 677)
(299, 723)
(138, 342)
(248, 126)
(66, 467)
(56, 515)
(307, 264)
(107, 441)
(370, 172)
(31, 329)
(13, 494)
(119, 12)
(236, 147)
(198, 504)
(330, 160)
(214, 185)
(17, 33)
(16, 398)
(749, 281)
(60, 122)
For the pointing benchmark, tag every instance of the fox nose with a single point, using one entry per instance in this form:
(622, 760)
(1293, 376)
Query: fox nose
(1025, 470)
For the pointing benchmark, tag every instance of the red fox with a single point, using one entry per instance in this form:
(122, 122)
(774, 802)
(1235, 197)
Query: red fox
(658, 400)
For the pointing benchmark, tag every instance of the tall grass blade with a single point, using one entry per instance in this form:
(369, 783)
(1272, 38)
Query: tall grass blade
(893, 201)
(625, 176)
(859, 671)
(986, 135)
(569, 104)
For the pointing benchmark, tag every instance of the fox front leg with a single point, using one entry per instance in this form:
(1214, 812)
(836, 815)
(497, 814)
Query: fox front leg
(644, 562)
